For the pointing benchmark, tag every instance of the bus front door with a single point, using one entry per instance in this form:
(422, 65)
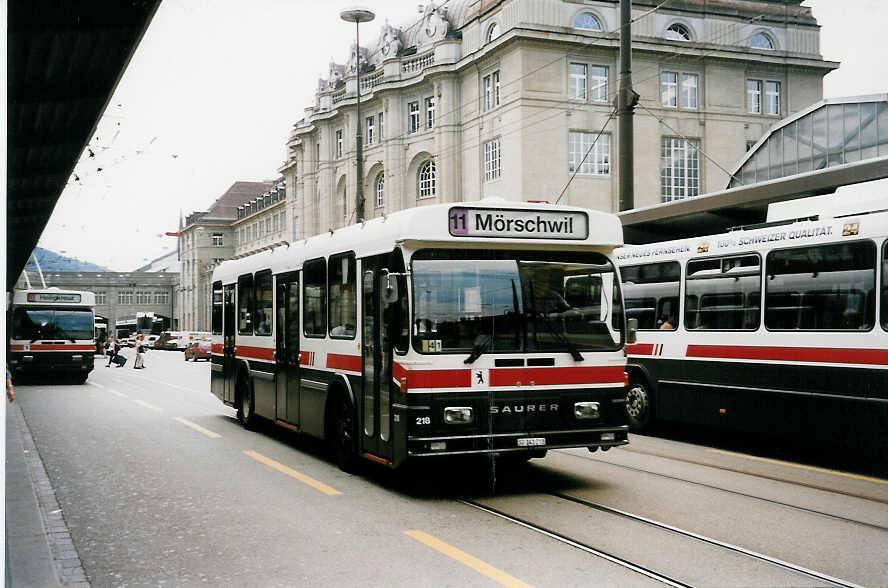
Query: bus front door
(228, 342)
(287, 352)
(376, 362)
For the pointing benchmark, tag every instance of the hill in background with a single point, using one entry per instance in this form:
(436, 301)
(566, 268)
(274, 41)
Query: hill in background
(50, 261)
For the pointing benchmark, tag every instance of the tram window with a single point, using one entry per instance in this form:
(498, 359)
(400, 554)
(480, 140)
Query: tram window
(885, 285)
(822, 288)
(723, 293)
(343, 296)
(314, 296)
(245, 305)
(264, 303)
(217, 308)
(651, 294)
(401, 308)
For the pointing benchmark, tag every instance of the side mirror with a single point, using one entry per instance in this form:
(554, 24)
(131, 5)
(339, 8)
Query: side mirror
(631, 330)
(390, 289)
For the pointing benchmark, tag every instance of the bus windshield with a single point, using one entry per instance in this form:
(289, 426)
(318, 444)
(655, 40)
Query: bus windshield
(34, 324)
(514, 302)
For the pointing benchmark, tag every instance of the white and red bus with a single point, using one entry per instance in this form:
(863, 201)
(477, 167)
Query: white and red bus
(468, 328)
(53, 331)
(773, 329)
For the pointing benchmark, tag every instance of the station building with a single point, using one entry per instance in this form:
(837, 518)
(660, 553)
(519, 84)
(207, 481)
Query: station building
(514, 99)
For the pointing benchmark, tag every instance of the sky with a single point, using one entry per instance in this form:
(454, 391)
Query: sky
(215, 86)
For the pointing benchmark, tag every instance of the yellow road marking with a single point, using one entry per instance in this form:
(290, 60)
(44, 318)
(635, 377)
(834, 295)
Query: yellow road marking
(328, 490)
(197, 428)
(468, 560)
(801, 466)
(109, 390)
(146, 405)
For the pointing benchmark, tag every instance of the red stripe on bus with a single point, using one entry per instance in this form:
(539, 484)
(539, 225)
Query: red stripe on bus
(55, 347)
(255, 352)
(640, 349)
(807, 354)
(216, 348)
(351, 363)
(551, 376)
(439, 378)
(306, 358)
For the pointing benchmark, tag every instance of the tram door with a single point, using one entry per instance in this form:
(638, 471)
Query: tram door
(287, 352)
(228, 343)
(376, 360)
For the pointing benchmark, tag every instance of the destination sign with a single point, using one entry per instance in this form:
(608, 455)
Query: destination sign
(517, 224)
(52, 297)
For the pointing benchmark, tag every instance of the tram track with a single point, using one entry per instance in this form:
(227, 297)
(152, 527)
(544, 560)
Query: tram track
(640, 568)
(745, 472)
(812, 511)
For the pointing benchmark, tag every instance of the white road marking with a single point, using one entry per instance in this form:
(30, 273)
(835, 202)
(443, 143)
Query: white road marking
(197, 428)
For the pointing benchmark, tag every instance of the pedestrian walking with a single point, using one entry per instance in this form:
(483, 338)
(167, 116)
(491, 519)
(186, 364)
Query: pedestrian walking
(10, 391)
(113, 350)
(139, 364)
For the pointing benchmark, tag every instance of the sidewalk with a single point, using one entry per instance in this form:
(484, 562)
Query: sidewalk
(39, 550)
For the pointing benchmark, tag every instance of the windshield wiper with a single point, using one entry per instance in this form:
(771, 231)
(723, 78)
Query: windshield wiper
(571, 346)
(482, 342)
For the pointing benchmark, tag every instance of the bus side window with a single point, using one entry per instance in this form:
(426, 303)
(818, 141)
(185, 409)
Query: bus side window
(343, 296)
(264, 303)
(314, 298)
(245, 305)
(217, 312)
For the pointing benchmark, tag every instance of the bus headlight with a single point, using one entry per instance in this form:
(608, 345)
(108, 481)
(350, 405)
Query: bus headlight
(458, 415)
(586, 410)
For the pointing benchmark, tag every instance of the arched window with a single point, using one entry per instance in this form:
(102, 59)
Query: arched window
(678, 32)
(380, 190)
(493, 31)
(427, 179)
(761, 41)
(587, 22)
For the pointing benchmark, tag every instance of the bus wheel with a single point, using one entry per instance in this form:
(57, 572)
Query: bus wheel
(246, 405)
(344, 436)
(638, 405)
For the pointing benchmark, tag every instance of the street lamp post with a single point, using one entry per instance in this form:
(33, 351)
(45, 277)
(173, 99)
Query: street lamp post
(358, 15)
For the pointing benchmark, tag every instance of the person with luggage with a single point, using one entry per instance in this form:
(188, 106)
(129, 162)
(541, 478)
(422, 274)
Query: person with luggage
(113, 348)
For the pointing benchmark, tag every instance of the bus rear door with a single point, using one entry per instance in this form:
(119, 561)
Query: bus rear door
(228, 343)
(287, 349)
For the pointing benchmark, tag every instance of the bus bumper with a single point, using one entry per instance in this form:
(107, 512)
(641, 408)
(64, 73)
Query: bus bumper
(51, 362)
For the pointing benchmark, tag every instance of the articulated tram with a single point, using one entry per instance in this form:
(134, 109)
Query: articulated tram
(469, 328)
(53, 331)
(775, 329)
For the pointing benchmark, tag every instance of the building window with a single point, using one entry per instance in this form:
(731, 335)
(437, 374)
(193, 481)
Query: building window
(379, 118)
(772, 98)
(339, 143)
(267, 226)
(761, 41)
(275, 223)
(492, 160)
(597, 162)
(283, 220)
(598, 83)
(161, 297)
(217, 240)
(754, 96)
(380, 190)
(576, 84)
(492, 90)
(678, 32)
(669, 89)
(412, 117)
(125, 297)
(587, 21)
(689, 87)
(493, 31)
(680, 168)
(427, 180)
(100, 298)
(430, 111)
(371, 126)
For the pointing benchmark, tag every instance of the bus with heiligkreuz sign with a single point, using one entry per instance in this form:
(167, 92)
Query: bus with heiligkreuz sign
(490, 327)
(53, 331)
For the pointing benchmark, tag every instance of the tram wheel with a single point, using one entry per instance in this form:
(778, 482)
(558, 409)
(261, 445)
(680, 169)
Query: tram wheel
(345, 439)
(246, 406)
(638, 405)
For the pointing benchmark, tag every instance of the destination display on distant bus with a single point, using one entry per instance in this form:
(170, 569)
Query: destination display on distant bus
(518, 224)
(52, 297)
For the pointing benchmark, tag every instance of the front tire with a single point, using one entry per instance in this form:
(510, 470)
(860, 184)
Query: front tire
(246, 406)
(638, 405)
(344, 437)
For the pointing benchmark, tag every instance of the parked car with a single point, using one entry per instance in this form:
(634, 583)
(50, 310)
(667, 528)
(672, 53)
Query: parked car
(198, 350)
(150, 340)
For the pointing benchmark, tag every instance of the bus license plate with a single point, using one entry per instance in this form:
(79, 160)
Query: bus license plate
(531, 441)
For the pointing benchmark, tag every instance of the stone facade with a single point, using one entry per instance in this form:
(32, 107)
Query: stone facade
(505, 98)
